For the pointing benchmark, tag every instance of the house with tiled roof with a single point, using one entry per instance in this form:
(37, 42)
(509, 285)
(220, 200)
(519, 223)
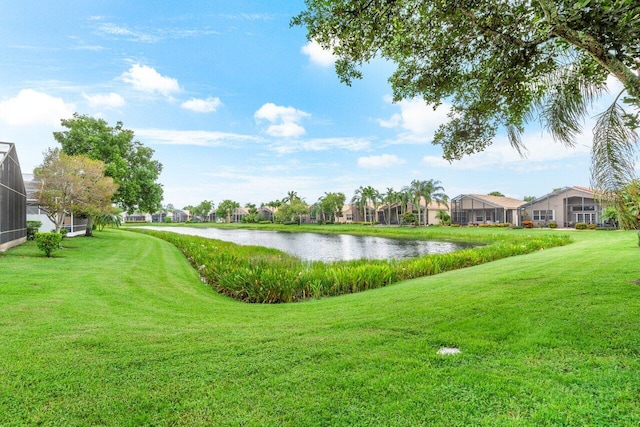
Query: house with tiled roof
(476, 209)
(565, 206)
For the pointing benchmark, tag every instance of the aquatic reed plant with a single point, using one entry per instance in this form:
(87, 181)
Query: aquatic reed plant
(257, 274)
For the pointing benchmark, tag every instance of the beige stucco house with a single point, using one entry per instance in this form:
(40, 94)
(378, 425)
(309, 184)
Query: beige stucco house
(564, 206)
(475, 209)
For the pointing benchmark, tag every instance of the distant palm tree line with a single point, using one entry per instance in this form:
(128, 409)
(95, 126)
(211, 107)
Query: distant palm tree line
(429, 191)
(366, 199)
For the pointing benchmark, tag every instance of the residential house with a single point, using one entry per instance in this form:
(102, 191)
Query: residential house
(137, 217)
(267, 212)
(179, 215)
(397, 210)
(474, 209)
(565, 206)
(238, 213)
(13, 199)
(351, 212)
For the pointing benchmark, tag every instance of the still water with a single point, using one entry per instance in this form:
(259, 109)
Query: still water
(324, 247)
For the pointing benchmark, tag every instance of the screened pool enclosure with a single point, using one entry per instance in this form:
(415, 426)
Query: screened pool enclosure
(13, 199)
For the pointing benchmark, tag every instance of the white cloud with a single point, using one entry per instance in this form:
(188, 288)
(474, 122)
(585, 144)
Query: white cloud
(318, 55)
(320, 144)
(193, 137)
(284, 120)
(132, 35)
(542, 153)
(31, 107)
(208, 105)
(110, 100)
(382, 161)
(147, 79)
(418, 120)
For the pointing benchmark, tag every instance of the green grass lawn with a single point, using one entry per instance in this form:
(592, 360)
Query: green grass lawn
(119, 330)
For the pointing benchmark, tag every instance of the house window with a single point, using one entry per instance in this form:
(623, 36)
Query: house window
(584, 208)
(589, 218)
(349, 217)
(543, 215)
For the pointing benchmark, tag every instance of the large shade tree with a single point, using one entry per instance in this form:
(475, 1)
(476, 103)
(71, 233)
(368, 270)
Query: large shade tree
(500, 64)
(127, 161)
(73, 185)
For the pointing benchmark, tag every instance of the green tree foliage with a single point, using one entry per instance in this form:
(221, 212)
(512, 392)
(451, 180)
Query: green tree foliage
(202, 210)
(500, 64)
(496, 193)
(331, 205)
(107, 220)
(226, 208)
(127, 161)
(626, 203)
(32, 229)
(292, 211)
(73, 184)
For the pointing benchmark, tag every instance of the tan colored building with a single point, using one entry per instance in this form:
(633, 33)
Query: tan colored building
(565, 206)
(475, 209)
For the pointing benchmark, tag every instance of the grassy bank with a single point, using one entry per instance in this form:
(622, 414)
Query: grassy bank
(118, 330)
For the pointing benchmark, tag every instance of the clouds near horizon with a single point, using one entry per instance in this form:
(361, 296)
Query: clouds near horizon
(31, 107)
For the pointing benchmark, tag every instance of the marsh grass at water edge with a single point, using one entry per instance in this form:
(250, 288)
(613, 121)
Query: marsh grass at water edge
(260, 275)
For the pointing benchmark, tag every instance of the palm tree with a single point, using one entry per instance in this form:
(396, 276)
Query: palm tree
(291, 196)
(415, 192)
(429, 190)
(389, 197)
(432, 191)
(359, 199)
(404, 197)
(372, 195)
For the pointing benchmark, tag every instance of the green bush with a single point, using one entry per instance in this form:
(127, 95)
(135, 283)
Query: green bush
(32, 229)
(553, 224)
(263, 275)
(48, 242)
(592, 226)
(581, 226)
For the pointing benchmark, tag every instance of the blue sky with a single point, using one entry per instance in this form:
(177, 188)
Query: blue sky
(238, 105)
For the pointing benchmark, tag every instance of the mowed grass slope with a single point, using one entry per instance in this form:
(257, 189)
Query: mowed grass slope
(118, 330)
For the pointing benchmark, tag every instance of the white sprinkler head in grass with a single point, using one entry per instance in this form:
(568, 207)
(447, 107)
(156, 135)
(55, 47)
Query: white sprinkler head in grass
(449, 350)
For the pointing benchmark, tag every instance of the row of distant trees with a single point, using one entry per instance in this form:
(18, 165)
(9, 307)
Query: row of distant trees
(329, 206)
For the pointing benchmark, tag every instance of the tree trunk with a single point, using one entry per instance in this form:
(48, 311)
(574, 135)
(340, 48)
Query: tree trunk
(89, 230)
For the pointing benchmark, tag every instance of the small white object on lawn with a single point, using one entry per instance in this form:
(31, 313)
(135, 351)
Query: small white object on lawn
(449, 350)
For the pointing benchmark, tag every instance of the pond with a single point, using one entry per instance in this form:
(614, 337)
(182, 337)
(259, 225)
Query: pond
(324, 247)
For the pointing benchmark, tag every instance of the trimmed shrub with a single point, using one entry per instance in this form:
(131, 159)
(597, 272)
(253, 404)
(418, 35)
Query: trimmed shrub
(553, 224)
(581, 226)
(527, 224)
(48, 242)
(592, 226)
(32, 229)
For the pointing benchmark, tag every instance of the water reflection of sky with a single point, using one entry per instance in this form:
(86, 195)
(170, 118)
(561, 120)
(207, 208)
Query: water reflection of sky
(323, 247)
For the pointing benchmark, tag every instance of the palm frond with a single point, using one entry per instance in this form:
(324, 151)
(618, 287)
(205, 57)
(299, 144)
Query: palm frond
(569, 95)
(613, 155)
